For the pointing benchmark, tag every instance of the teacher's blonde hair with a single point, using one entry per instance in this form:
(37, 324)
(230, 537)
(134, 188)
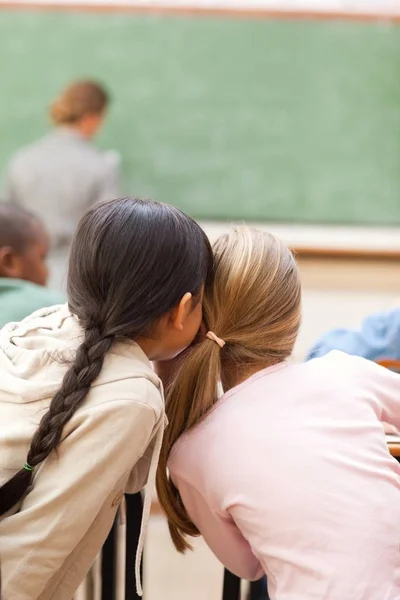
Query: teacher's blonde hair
(77, 100)
(253, 304)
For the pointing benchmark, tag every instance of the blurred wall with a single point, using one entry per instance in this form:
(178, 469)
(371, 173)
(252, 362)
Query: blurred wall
(375, 6)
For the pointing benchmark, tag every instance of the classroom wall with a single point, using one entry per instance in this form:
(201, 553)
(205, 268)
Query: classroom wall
(361, 6)
(341, 294)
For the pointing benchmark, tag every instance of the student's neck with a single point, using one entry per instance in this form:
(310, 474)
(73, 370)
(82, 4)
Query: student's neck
(149, 347)
(233, 375)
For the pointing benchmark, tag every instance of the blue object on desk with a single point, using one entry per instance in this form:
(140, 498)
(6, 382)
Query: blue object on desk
(379, 337)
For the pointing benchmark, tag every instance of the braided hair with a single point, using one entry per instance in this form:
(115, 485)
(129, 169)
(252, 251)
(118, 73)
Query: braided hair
(131, 261)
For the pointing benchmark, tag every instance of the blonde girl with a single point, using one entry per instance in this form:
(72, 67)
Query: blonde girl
(288, 473)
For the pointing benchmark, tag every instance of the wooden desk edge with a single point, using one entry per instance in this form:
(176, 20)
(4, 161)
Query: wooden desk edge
(394, 449)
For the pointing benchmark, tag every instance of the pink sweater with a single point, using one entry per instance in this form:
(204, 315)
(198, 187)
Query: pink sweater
(290, 475)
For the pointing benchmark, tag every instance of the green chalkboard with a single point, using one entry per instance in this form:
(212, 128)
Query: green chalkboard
(226, 118)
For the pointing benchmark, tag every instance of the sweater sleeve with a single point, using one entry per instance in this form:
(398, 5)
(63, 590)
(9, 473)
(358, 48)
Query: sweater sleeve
(220, 533)
(379, 337)
(108, 184)
(384, 386)
(9, 193)
(70, 490)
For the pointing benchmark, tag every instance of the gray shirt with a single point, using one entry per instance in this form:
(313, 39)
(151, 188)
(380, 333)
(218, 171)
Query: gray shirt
(58, 178)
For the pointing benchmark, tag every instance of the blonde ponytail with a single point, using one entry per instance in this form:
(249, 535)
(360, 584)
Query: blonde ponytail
(253, 304)
(197, 378)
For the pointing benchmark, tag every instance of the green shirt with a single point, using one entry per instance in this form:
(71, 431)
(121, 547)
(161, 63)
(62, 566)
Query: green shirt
(18, 299)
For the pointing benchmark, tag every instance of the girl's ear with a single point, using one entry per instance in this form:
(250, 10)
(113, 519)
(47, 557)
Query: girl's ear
(9, 263)
(181, 311)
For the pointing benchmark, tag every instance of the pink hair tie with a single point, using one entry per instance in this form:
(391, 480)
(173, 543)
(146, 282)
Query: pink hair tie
(211, 336)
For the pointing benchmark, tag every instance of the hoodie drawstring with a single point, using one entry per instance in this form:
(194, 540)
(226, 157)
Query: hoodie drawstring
(148, 497)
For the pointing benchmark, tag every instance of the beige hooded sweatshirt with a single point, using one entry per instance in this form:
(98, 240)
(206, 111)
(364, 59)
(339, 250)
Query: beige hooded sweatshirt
(110, 446)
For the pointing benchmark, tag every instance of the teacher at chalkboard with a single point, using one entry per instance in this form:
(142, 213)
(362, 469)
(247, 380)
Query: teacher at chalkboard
(62, 174)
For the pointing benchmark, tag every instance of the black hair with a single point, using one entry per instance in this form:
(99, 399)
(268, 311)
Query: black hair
(17, 227)
(131, 261)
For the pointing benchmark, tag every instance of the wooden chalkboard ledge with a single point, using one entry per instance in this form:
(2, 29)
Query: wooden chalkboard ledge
(329, 242)
(347, 253)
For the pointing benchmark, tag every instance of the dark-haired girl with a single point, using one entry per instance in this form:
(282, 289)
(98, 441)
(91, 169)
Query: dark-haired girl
(81, 410)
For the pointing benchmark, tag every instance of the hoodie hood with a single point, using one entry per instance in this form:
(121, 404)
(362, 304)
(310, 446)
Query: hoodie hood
(35, 353)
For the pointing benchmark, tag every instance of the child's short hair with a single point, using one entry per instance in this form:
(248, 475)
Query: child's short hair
(16, 226)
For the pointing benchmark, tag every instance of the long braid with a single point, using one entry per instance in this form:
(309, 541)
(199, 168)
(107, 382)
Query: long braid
(74, 389)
